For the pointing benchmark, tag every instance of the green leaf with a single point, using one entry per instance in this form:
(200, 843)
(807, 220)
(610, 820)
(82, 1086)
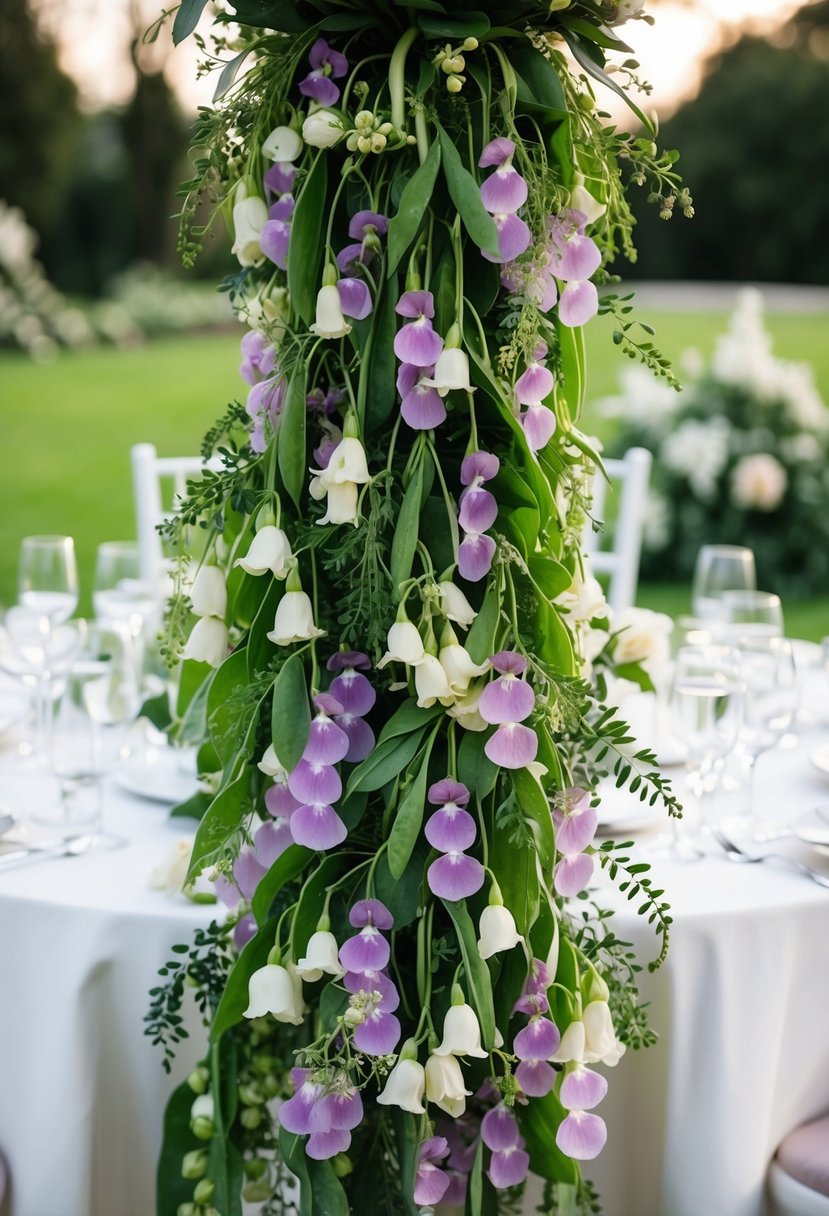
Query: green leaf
(466, 195)
(406, 1137)
(591, 59)
(402, 895)
(476, 1182)
(279, 15)
(475, 769)
(409, 817)
(291, 718)
(382, 362)
(470, 25)
(407, 718)
(187, 18)
(229, 74)
(192, 808)
(538, 82)
(234, 1000)
(311, 901)
(284, 870)
(573, 361)
(536, 810)
(329, 1198)
(220, 821)
(407, 530)
(292, 1152)
(549, 575)
(479, 982)
(513, 864)
(221, 712)
(387, 760)
(225, 1160)
(177, 1139)
(414, 203)
(636, 674)
(290, 448)
(480, 641)
(307, 248)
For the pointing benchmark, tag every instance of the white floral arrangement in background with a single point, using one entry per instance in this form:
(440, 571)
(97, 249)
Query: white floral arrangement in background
(740, 456)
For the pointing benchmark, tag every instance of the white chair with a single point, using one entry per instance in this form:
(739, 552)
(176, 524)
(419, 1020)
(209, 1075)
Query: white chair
(798, 1181)
(629, 478)
(149, 472)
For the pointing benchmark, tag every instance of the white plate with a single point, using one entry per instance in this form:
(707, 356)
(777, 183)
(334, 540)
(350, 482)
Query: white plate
(156, 774)
(620, 811)
(820, 759)
(813, 828)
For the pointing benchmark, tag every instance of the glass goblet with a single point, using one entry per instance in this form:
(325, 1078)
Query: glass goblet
(721, 568)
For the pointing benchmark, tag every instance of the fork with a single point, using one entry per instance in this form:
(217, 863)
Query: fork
(734, 853)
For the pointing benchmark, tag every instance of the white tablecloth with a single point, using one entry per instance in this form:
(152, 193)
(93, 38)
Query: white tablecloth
(82, 1091)
(742, 1007)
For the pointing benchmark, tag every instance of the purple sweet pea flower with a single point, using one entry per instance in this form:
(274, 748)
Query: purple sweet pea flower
(282, 209)
(317, 826)
(571, 254)
(258, 357)
(512, 746)
(312, 782)
(362, 223)
(378, 1035)
(478, 467)
(227, 891)
(514, 238)
(539, 423)
(582, 1089)
(499, 1129)
(321, 1146)
(417, 342)
(579, 304)
(342, 1110)
(325, 64)
(581, 1135)
(244, 930)
(534, 385)
(504, 192)
(327, 742)
(248, 872)
(361, 738)
(455, 876)
(507, 699)
(320, 88)
(280, 177)
(509, 662)
(366, 951)
(422, 407)
(274, 240)
(462, 1137)
(497, 153)
(352, 259)
(536, 1077)
(280, 802)
(539, 1040)
(475, 554)
(266, 399)
(448, 790)
(371, 982)
(478, 509)
(355, 298)
(431, 1182)
(572, 874)
(271, 841)
(302, 1113)
(575, 820)
(345, 660)
(451, 829)
(532, 1003)
(370, 912)
(508, 1167)
(354, 692)
(322, 57)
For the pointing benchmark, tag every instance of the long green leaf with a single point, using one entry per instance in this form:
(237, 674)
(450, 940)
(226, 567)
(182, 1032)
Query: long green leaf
(538, 82)
(290, 449)
(219, 823)
(407, 718)
(381, 374)
(286, 867)
(535, 808)
(405, 1134)
(311, 901)
(307, 248)
(291, 718)
(475, 769)
(407, 531)
(414, 203)
(409, 817)
(591, 59)
(387, 761)
(466, 195)
(234, 999)
(477, 973)
(292, 1152)
(187, 18)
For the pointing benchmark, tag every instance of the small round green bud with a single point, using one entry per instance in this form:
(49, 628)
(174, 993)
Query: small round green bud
(587, 102)
(204, 1190)
(411, 139)
(446, 66)
(342, 1165)
(364, 118)
(251, 1095)
(665, 213)
(251, 1117)
(458, 63)
(186, 1209)
(454, 84)
(378, 142)
(198, 1080)
(258, 1191)
(470, 44)
(255, 1168)
(202, 1128)
(364, 144)
(194, 1164)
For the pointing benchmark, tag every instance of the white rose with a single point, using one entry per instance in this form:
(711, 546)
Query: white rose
(323, 128)
(642, 637)
(758, 482)
(584, 599)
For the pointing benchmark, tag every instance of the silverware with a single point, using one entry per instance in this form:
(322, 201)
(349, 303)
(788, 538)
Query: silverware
(734, 853)
(7, 822)
(72, 846)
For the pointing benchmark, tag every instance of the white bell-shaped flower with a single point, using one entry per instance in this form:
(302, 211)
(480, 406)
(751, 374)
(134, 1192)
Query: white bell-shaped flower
(458, 664)
(283, 144)
(250, 215)
(444, 1084)
(582, 200)
(271, 990)
(321, 958)
(466, 709)
(572, 1045)
(497, 931)
(405, 645)
(269, 764)
(461, 1033)
(208, 642)
(323, 128)
(208, 594)
(405, 1087)
(451, 372)
(294, 620)
(601, 1044)
(454, 605)
(330, 321)
(347, 463)
(270, 549)
(341, 506)
(431, 683)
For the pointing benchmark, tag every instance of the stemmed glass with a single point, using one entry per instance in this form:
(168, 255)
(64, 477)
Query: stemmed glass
(705, 702)
(35, 652)
(100, 698)
(48, 577)
(752, 614)
(769, 678)
(721, 568)
(122, 601)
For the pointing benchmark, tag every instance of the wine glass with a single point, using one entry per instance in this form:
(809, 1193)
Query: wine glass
(769, 678)
(35, 652)
(704, 705)
(721, 568)
(121, 599)
(752, 614)
(99, 699)
(48, 577)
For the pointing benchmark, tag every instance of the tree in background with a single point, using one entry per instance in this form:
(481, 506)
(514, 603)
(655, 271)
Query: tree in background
(40, 124)
(759, 121)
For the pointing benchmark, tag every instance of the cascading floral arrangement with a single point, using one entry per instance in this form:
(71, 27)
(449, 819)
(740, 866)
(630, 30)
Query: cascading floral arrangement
(412, 989)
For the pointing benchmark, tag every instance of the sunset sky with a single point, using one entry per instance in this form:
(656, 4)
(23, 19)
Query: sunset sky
(94, 33)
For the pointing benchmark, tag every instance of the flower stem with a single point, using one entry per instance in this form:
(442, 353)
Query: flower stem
(397, 77)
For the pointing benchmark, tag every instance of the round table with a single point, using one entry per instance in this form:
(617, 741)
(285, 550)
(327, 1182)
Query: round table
(83, 1090)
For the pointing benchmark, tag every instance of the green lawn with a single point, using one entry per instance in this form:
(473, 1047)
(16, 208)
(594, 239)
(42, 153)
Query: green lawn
(68, 427)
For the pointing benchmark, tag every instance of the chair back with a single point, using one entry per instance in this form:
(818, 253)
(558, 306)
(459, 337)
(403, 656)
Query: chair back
(629, 477)
(151, 476)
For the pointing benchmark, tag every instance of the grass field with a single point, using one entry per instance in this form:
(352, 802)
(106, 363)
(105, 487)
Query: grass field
(68, 427)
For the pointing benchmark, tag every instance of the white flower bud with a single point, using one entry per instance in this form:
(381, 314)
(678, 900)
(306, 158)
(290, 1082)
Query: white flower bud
(271, 990)
(451, 372)
(269, 764)
(405, 1087)
(404, 645)
(459, 668)
(444, 1085)
(294, 620)
(454, 605)
(461, 1033)
(208, 642)
(321, 958)
(431, 683)
(323, 129)
(582, 200)
(208, 594)
(283, 144)
(341, 507)
(330, 320)
(250, 215)
(497, 931)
